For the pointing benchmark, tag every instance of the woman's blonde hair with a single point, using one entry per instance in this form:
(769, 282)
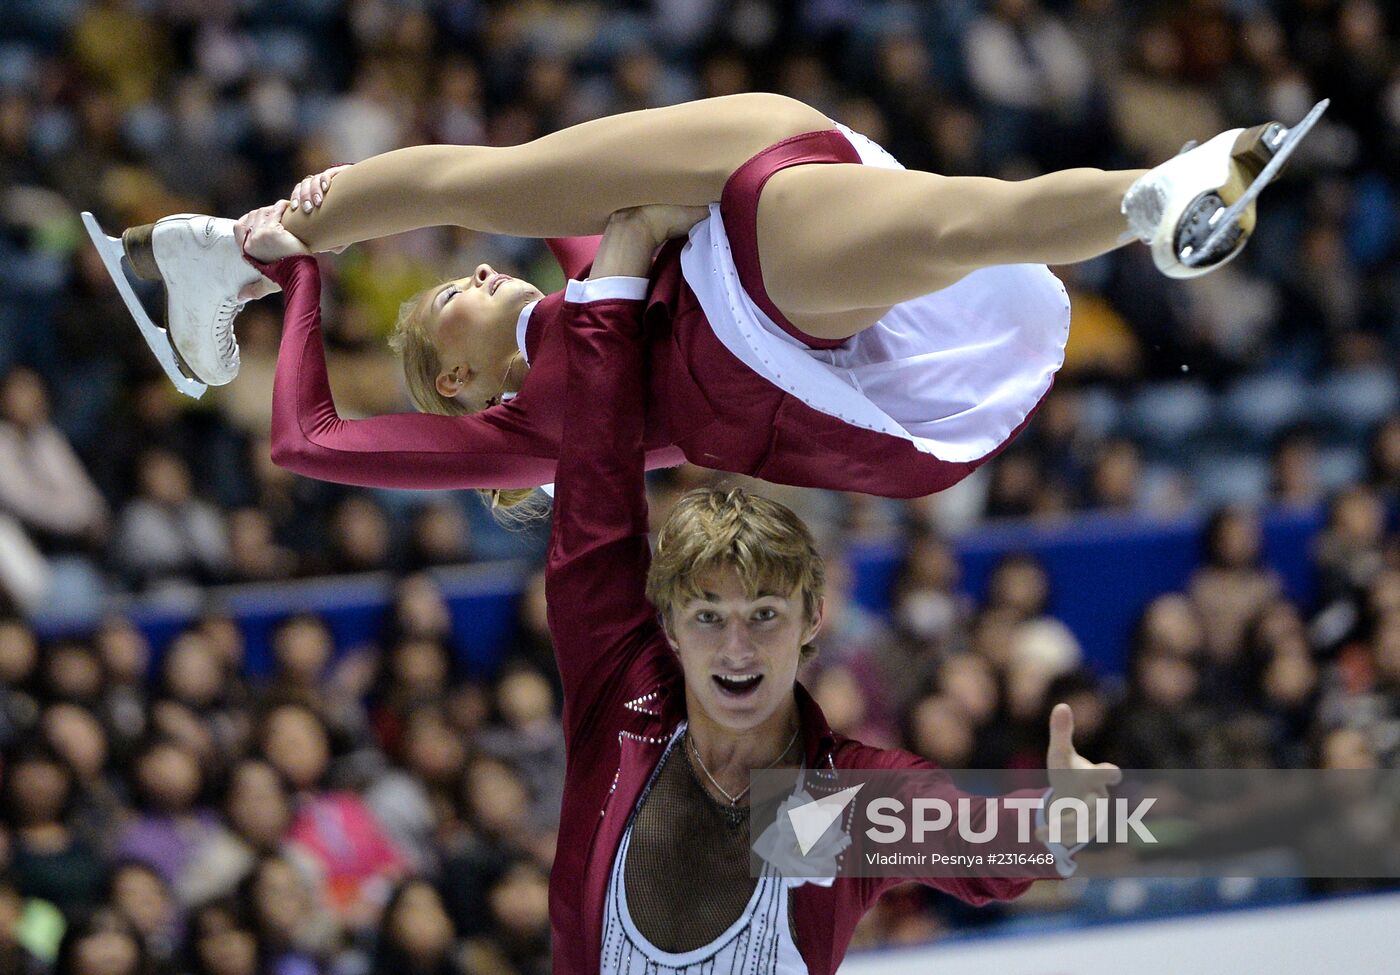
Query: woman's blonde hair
(763, 541)
(421, 367)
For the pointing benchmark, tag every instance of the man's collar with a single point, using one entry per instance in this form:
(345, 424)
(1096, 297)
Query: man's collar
(817, 737)
(522, 324)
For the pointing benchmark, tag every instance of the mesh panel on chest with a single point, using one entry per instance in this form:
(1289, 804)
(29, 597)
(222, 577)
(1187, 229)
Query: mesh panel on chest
(687, 877)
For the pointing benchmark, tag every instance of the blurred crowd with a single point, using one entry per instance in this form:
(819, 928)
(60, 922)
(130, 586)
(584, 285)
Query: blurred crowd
(1258, 383)
(377, 811)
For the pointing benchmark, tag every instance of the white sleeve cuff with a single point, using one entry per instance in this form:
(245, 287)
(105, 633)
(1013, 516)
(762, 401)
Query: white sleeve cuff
(603, 289)
(1064, 855)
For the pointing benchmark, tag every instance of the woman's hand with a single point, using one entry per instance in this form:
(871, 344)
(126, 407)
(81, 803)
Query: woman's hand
(312, 190)
(261, 235)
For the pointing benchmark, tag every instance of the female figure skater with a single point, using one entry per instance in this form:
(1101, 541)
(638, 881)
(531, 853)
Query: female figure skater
(664, 719)
(835, 321)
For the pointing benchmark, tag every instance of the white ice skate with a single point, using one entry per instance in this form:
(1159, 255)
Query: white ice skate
(1196, 211)
(203, 270)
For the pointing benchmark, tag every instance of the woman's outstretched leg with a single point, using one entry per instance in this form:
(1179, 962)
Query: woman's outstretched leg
(841, 243)
(561, 185)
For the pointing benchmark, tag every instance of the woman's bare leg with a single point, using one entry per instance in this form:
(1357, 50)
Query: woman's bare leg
(561, 185)
(841, 243)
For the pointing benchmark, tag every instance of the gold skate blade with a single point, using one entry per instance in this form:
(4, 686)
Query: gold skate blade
(111, 251)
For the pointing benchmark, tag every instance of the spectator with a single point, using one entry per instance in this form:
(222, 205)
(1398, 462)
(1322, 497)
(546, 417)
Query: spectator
(19, 653)
(143, 896)
(414, 800)
(254, 555)
(258, 813)
(416, 937)
(102, 943)
(124, 655)
(166, 535)
(350, 848)
(50, 861)
(360, 536)
(1161, 722)
(294, 936)
(173, 824)
(42, 482)
(15, 955)
(530, 738)
(438, 535)
(221, 941)
(99, 798)
(1233, 587)
(1349, 549)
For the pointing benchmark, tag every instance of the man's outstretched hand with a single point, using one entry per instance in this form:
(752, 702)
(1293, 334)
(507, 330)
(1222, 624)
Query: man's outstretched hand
(1071, 774)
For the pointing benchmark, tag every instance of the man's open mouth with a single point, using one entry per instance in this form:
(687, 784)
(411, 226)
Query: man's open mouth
(737, 685)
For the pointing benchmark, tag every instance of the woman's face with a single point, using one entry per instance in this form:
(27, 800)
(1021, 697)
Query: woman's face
(433, 750)
(421, 608)
(40, 789)
(106, 953)
(296, 745)
(231, 951)
(524, 697)
(124, 652)
(169, 775)
(257, 806)
(74, 672)
(18, 652)
(1237, 541)
(279, 897)
(520, 902)
(473, 330)
(419, 667)
(740, 652)
(498, 798)
(78, 737)
(193, 671)
(420, 925)
(303, 649)
(144, 899)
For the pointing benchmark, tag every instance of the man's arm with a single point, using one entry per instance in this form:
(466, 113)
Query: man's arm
(574, 254)
(595, 574)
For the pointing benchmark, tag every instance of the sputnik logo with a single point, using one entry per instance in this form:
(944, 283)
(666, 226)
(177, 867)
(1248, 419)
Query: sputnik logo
(811, 820)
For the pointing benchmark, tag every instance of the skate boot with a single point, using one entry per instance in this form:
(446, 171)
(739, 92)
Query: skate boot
(202, 267)
(1197, 211)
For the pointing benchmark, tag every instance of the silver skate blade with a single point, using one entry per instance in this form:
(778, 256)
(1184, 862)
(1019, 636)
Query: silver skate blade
(1224, 220)
(111, 252)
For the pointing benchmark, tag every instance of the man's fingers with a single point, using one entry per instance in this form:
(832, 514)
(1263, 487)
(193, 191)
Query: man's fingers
(1060, 754)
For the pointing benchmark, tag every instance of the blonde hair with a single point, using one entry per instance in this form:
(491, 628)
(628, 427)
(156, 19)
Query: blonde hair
(421, 366)
(763, 541)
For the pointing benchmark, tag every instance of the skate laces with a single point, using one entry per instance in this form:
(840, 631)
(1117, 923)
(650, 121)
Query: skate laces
(224, 338)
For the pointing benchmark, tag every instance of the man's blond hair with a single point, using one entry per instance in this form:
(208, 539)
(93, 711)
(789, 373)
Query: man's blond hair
(761, 540)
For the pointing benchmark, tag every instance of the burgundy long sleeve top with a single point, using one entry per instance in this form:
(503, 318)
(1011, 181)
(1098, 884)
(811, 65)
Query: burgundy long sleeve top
(702, 404)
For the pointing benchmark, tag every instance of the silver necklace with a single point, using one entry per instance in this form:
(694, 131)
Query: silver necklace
(734, 799)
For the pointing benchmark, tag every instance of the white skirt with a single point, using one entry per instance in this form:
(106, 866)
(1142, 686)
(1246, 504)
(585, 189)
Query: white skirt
(955, 371)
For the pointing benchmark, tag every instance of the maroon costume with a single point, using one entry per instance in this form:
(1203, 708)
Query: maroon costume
(702, 403)
(623, 689)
